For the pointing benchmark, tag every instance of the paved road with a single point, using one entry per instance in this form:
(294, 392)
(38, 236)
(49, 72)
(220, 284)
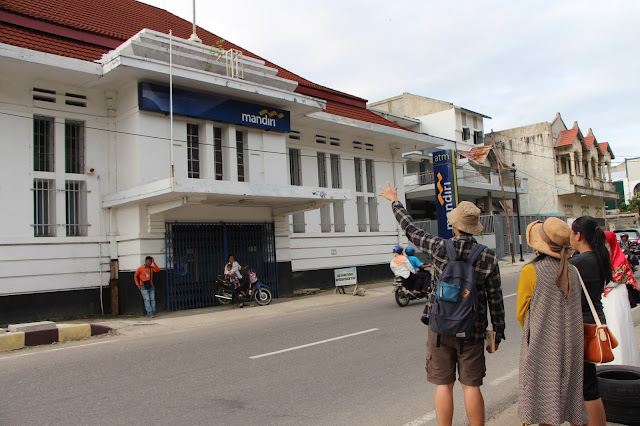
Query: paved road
(356, 363)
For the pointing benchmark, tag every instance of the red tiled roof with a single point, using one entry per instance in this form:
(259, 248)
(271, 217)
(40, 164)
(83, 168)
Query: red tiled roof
(604, 146)
(567, 137)
(589, 140)
(119, 20)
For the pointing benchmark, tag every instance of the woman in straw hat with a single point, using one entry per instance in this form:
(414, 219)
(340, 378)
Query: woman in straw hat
(549, 310)
(594, 265)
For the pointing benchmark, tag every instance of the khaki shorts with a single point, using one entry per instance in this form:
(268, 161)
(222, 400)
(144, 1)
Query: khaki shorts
(442, 361)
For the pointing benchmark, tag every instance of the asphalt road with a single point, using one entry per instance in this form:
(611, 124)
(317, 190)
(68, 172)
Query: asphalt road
(360, 363)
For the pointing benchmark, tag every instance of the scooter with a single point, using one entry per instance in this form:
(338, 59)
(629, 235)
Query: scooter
(403, 295)
(258, 292)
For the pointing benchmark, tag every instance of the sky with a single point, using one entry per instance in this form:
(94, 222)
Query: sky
(518, 62)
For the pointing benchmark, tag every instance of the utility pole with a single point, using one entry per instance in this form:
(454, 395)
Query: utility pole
(515, 186)
(504, 199)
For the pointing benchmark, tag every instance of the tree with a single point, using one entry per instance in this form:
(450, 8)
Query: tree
(632, 205)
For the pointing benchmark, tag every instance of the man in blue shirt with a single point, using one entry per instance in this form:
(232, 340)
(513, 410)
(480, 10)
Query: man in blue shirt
(421, 269)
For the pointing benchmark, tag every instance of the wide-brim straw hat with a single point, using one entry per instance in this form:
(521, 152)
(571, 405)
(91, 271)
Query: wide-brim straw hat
(466, 217)
(556, 229)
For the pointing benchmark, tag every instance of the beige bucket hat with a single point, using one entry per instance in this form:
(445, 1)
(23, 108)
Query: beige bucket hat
(557, 232)
(466, 217)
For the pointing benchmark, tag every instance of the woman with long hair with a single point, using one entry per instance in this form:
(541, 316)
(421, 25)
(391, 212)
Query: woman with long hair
(549, 310)
(615, 301)
(594, 264)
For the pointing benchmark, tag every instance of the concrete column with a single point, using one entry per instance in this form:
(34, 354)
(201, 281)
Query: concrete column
(489, 206)
(229, 154)
(207, 166)
(572, 163)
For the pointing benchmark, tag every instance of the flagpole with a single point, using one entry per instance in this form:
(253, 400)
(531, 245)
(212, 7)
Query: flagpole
(171, 100)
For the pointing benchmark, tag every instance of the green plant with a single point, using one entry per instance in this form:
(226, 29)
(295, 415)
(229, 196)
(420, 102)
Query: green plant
(632, 205)
(217, 51)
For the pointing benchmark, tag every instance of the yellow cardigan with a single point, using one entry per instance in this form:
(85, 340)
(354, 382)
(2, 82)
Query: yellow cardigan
(526, 285)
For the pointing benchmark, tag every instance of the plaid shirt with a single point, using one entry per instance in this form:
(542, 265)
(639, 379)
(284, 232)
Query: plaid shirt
(487, 272)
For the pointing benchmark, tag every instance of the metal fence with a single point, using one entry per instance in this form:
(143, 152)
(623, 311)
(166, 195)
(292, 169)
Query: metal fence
(197, 252)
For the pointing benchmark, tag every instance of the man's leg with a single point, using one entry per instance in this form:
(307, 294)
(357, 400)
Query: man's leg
(152, 299)
(145, 298)
(474, 405)
(443, 400)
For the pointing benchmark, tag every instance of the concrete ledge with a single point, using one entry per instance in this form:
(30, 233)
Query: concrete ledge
(41, 337)
(11, 341)
(67, 332)
(32, 326)
(97, 329)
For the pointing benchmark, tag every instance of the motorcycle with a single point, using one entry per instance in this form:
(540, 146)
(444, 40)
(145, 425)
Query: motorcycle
(403, 295)
(257, 292)
(632, 254)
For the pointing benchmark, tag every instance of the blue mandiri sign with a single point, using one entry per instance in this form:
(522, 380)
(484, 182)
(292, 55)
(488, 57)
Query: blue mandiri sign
(155, 97)
(444, 173)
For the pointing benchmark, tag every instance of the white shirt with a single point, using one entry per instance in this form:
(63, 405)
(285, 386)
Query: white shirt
(235, 268)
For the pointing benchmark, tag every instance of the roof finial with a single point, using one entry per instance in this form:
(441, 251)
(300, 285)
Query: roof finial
(194, 36)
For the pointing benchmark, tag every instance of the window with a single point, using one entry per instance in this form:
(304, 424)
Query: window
(373, 214)
(44, 208)
(372, 200)
(325, 210)
(76, 208)
(371, 180)
(362, 213)
(74, 146)
(463, 118)
(217, 152)
(357, 163)
(475, 122)
(295, 172)
(295, 176)
(478, 137)
(336, 182)
(43, 144)
(193, 151)
(240, 155)
(466, 133)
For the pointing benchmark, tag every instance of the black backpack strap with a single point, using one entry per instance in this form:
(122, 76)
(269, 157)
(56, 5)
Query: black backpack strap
(475, 252)
(451, 250)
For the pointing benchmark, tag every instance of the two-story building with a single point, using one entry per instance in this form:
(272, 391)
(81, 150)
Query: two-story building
(460, 129)
(569, 173)
(121, 138)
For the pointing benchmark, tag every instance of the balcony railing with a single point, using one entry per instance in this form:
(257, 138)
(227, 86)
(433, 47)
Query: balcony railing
(467, 177)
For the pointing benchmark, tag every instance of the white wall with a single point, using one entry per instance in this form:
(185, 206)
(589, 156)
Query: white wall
(441, 124)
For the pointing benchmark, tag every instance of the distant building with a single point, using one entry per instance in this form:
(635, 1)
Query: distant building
(629, 170)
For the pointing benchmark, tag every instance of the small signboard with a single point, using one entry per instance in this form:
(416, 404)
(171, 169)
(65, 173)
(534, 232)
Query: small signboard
(345, 276)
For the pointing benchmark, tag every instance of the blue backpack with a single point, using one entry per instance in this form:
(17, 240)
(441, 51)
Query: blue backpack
(455, 307)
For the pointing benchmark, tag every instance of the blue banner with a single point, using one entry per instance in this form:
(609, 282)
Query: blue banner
(444, 175)
(155, 97)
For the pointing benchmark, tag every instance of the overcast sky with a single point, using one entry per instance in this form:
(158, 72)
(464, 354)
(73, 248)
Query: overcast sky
(515, 61)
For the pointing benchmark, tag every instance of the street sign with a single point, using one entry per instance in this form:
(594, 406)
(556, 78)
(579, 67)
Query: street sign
(345, 276)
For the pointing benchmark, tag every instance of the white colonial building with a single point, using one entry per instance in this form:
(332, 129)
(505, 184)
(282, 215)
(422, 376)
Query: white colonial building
(103, 164)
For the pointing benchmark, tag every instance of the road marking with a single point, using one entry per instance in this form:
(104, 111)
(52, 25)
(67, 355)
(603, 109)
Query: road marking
(504, 378)
(312, 344)
(422, 420)
(510, 295)
(57, 349)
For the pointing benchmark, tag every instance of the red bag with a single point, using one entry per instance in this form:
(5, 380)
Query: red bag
(598, 340)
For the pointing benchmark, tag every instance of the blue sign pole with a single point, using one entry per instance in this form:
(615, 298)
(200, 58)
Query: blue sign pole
(444, 173)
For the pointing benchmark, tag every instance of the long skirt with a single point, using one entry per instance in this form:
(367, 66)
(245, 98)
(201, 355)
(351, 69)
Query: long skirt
(620, 322)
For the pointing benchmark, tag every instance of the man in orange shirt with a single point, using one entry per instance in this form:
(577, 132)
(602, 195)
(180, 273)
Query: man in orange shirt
(144, 280)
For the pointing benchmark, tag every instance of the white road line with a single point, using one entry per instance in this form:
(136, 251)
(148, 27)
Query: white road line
(312, 344)
(510, 295)
(504, 378)
(422, 420)
(56, 349)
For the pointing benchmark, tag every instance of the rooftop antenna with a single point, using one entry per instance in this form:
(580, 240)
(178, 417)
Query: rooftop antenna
(194, 36)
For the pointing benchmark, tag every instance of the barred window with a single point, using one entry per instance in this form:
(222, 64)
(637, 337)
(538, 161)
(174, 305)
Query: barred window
(336, 182)
(362, 213)
(44, 208)
(217, 151)
(43, 145)
(76, 208)
(357, 163)
(240, 155)
(374, 226)
(336, 174)
(371, 179)
(325, 210)
(338, 216)
(193, 151)
(74, 146)
(295, 171)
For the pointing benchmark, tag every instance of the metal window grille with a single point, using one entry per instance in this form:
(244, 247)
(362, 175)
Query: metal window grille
(362, 214)
(357, 163)
(295, 171)
(44, 208)
(74, 146)
(374, 226)
(217, 151)
(43, 148)
(322, 169)
(76, 208)
(338, 217)
(371, 179)
(325, 218)
(336, 175)
(193, 150)
(240, 155)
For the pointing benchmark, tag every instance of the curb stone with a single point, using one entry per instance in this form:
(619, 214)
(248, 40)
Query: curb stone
(61, 333)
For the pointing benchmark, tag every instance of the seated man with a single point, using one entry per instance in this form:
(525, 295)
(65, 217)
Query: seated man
(401, 267)
(421, 269)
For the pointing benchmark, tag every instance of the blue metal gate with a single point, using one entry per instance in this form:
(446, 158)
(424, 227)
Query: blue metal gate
(197, 252)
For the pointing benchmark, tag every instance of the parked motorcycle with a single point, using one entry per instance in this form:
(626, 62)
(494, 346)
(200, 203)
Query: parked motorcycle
(403, 295)
(257, 292)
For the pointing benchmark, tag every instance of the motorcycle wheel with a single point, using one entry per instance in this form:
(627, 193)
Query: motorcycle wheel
(226, 293)
(262, 296)
(402, 298)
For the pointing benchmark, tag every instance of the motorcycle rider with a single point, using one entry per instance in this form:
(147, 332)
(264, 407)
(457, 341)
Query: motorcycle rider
(421, 269)
(401, 267)
(624, 242)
